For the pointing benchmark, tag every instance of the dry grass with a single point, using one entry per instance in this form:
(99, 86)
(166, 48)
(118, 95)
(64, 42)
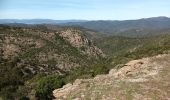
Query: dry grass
(148, 80)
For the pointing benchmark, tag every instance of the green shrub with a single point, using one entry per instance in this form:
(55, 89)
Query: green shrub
(99, 69)
(46, 85)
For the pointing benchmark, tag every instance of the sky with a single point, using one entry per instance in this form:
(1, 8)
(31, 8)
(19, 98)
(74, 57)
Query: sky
(83, 9)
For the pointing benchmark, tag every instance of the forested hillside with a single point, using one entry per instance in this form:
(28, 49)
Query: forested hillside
(122, 49)
(38, 51)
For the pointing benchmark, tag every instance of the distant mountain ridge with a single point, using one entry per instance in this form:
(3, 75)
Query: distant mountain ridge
(73, 21)
(129, 28)
(144, 27)
(141, 27)
(37, 21)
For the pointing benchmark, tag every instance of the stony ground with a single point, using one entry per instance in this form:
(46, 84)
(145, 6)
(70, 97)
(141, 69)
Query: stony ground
(144, 79)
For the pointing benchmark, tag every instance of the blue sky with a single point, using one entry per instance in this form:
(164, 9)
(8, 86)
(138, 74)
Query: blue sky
(83, 9)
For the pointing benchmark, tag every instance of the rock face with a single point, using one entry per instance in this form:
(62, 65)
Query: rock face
(77, 39)
(146, 79)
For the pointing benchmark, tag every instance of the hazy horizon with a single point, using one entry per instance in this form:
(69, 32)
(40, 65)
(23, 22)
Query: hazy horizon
(84, 19)
(83, 10)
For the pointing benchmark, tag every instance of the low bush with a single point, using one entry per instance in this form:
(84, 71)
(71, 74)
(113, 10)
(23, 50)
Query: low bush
(46, 85)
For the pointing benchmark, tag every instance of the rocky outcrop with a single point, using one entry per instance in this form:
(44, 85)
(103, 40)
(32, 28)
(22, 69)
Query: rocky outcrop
(77, 39)
(146, 78)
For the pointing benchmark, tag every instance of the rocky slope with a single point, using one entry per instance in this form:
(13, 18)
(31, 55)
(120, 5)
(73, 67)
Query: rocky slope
(63, 47)
(146, 79)
(36, 50)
